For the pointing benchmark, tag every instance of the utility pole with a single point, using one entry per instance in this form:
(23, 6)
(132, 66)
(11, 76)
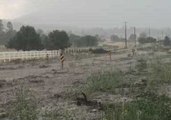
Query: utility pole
(135, 37)
(149, 32)
(126, 44)
(162, 35)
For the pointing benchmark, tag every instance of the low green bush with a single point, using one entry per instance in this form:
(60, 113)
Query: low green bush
(149, 107)
(98, 51)
(106, 81)
(25, 106)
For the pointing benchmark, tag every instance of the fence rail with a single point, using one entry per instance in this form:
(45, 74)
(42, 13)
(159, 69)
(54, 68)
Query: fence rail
(26, 55)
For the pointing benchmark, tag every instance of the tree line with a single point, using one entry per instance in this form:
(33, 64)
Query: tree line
(27, 38)
(142, 39)
(6, 32)
(84, 41)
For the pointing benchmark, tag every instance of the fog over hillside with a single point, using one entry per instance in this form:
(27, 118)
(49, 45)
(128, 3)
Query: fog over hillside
(104, 17)
(104, 32)
(95, 13)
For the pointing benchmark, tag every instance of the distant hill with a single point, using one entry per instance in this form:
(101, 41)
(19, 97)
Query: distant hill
(41, 23)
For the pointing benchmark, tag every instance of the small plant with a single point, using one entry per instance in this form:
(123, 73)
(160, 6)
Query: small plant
(141, 65)
(58, 114)
(160, 73)
(106, 81)
(148, 107)
(25, 106)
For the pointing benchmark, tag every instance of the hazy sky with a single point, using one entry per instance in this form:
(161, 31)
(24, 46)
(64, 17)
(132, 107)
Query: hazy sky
(89, 13)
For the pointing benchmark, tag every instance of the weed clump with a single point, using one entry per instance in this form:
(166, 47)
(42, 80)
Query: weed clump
(160, 73)
(141, 65)
(25, 106)
(106, 81)
(149, 106)
(98, 51)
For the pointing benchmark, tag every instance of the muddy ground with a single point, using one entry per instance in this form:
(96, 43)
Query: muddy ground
(54, 86)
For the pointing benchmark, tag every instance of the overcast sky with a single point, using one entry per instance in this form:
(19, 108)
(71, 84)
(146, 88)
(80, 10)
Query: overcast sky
(89, 13)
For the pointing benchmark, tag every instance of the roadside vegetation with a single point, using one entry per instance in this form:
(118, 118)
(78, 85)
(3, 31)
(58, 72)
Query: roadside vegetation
(149, 106)
(146, 104)
(105, 81)
(140, 87)
(24, 107)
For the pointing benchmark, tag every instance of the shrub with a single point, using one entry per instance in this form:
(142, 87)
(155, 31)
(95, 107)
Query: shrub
(25, 107)
(98, 51)
(141, 64)
(147, 40)
(105, 81)
(148, 107)
(160, 72)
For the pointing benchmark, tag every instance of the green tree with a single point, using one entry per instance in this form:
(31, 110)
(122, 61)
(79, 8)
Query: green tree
(144, 39)
(1, 26)
(143, 35)
(2, 33)
(132, 37)
(74, 39)
(44, 38)
(58, 40)
(85, 41)
(10, 33)
(10, 26)
(25, 39)
(89, 41)
(167, 41)
(114, 38)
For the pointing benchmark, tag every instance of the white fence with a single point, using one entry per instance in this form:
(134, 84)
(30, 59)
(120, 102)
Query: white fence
(26, 55)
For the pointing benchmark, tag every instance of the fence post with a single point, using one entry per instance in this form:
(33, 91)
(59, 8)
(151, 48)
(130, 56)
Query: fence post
(110, 55)
(62, 59)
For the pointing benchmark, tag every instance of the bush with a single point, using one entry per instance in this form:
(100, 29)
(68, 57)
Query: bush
(149, 106)
(147, 40)
(98, 51)
(141, 65)
(25, 106)
(160, 72)
(167, 41)
(104, 81)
